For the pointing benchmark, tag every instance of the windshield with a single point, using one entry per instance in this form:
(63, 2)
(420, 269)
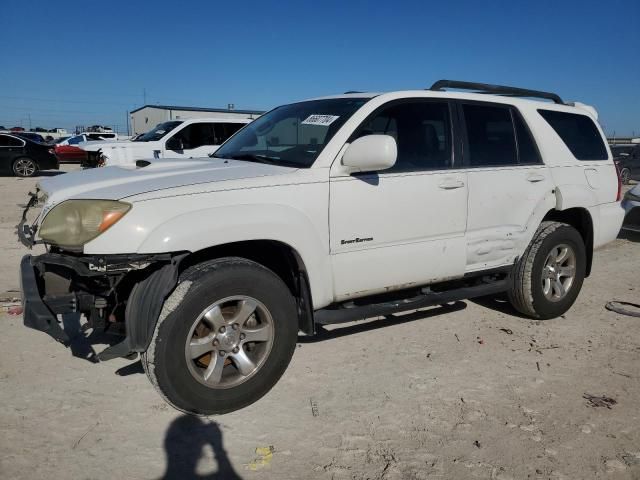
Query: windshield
(158, 132)
(291, 135)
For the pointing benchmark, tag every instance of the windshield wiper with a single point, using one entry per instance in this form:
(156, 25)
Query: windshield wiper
(258, 158)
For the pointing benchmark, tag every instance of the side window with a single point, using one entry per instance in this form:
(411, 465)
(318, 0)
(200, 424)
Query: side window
(579, 134)
(491, 135)
(422, 131)
(76, 140)
(230, 129)
(196, 135)
(6, 141)
(528, 153)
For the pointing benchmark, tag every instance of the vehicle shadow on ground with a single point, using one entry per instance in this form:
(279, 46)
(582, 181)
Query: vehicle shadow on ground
(81, 343)
(499, 303)
(184, 445)
(388, 320)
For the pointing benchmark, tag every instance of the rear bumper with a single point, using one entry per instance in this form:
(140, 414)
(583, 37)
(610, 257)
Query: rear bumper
(610, 216)
(36, 313)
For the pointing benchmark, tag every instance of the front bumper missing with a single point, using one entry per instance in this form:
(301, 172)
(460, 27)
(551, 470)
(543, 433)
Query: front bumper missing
(94, 284)
(36, 314)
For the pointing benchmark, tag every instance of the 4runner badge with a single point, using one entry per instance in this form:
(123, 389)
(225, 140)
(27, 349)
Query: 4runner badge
(356, 240)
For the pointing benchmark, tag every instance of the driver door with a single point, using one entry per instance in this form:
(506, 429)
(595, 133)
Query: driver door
(404, 226)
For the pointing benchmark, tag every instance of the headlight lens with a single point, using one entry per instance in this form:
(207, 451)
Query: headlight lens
(75, 222)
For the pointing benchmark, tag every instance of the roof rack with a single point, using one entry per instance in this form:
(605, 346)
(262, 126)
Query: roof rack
(352, 91)
(440, 85)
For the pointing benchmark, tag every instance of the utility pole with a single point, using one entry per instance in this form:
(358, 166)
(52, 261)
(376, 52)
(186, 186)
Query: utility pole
(144, 96)
(127, 114)
(29, 116)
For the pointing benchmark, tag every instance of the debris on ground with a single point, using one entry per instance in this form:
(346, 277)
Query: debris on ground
(477, 444)
(314, 407)
(15, 310)
(508, 331)
(265, 455)
(623, 308)
(596, 401)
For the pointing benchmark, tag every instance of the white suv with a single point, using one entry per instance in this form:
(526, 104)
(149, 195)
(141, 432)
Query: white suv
(196, 137)
(323, 211)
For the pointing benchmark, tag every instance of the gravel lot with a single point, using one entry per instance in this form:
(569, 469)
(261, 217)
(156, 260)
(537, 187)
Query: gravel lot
(473, 391)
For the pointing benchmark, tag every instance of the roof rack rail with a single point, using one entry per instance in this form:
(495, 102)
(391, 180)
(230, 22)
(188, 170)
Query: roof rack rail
(440, 85)
(352, 91)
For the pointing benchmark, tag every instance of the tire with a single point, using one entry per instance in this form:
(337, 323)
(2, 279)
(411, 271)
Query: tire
(24, 167)
(229, 285)
(625, 176)
(537, 282)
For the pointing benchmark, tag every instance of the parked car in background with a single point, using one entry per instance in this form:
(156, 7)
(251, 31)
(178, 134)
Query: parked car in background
(321, 212)
(17, 129)
(62, 131)
(627, 159)
(36, 137)
(70, 153)
(23, 157)
(631, 205)
(88, 137)
(40, 130)
(197, 137)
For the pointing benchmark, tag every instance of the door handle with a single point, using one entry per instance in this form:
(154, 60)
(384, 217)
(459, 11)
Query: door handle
(451, 184)
(535, 177)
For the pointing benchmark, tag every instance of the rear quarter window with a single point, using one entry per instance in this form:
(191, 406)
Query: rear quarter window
(579, 133)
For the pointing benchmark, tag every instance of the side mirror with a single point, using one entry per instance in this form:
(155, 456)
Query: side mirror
(174, 143)
(371, 153)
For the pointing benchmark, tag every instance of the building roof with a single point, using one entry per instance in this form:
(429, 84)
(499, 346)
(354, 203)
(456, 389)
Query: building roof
(198, 109)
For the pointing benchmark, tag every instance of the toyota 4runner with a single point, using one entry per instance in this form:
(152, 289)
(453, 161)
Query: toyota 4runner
(320, 212)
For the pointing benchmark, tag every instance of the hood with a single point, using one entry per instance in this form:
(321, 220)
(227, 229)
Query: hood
(117, 182)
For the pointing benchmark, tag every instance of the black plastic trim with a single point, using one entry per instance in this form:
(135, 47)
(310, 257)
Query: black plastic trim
(36, 314)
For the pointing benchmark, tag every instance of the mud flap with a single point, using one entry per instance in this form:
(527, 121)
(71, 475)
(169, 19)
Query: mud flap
(143, 309)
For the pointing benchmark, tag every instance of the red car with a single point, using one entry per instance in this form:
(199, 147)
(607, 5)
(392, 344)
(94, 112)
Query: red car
(70, 154)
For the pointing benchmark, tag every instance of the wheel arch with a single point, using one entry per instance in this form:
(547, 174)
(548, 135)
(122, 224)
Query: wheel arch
(580, 219)
(279, 257)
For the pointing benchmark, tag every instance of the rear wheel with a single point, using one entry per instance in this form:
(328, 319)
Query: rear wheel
(548, 277)
(625, 176)
(25, 167)
(224, 338)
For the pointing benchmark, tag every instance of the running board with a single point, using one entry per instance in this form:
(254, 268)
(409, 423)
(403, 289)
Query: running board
(330, 316)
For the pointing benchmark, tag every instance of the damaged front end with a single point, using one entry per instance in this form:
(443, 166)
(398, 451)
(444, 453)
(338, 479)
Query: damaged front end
(107, 289)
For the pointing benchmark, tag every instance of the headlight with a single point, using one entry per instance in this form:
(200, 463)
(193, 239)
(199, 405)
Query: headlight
(631, 197)
(75, 222)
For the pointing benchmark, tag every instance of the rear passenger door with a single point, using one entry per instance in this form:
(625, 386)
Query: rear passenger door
(507, 180)
(403, 226)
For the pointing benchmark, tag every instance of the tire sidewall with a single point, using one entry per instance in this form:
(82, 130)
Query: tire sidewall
(170, 364)
(545, 308)
(625, 176)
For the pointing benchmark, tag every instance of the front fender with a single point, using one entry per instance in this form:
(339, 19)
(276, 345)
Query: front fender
(210, 227)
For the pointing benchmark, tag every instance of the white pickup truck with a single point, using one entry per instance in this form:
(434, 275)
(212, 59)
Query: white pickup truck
(319, 212)
(197, 137)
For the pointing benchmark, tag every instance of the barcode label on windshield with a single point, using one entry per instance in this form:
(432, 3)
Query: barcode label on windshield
(324, 120)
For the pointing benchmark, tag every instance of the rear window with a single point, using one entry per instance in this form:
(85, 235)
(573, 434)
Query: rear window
(579, 134)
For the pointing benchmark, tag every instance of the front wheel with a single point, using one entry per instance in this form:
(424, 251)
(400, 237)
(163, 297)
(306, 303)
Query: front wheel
(224, 338)
(546, 280)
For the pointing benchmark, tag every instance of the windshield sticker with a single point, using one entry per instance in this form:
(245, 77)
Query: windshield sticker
(323, 120)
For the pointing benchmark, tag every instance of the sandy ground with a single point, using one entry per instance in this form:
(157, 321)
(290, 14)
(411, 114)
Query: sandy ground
(471, 392)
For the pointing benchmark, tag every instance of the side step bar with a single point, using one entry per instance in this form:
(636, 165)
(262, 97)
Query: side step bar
(330, 316)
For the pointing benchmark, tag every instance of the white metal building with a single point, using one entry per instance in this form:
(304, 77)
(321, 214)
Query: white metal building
(145, 118)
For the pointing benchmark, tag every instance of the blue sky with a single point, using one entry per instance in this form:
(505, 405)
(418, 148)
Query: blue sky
(82, 63)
